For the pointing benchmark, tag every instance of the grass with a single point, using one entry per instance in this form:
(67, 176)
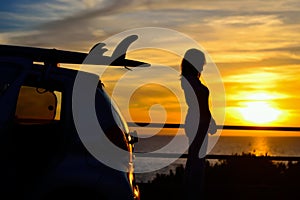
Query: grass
(234, 178)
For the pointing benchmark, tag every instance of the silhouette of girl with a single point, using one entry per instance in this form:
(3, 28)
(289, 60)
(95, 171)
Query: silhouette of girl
(198, 121)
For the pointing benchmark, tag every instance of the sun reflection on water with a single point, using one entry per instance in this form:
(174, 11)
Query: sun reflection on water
(260, 147)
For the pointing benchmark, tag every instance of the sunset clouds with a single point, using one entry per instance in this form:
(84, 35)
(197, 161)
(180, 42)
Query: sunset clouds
(254, 43)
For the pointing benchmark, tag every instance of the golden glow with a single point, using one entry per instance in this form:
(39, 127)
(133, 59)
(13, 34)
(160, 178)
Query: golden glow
(154, 103)
(260, 146)
(259, 108)
(261, 96)
(156, 56)
(259, 112)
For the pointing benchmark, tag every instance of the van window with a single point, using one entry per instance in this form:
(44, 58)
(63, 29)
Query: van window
(37, 105)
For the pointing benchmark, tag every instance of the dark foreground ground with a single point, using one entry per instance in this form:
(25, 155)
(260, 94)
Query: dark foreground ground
(212, 192)
(238, 178)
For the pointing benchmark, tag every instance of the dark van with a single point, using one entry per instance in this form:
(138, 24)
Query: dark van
(42, 156)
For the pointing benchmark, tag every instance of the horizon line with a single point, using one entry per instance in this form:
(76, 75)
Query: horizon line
(230, 127)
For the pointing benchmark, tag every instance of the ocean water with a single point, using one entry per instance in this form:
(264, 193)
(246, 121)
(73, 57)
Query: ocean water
(277, 144)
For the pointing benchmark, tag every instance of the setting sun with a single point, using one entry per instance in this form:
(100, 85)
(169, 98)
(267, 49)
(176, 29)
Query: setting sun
(259, 112)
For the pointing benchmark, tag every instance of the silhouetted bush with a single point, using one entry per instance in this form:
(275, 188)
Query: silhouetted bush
(239, 177)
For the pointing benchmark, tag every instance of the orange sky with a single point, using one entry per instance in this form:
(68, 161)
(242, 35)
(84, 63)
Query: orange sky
(262, 93)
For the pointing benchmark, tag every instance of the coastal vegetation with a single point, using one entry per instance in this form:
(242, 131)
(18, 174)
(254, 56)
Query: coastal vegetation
(245, 176)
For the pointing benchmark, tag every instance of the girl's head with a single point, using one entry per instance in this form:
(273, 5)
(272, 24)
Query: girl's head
(192, 63)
